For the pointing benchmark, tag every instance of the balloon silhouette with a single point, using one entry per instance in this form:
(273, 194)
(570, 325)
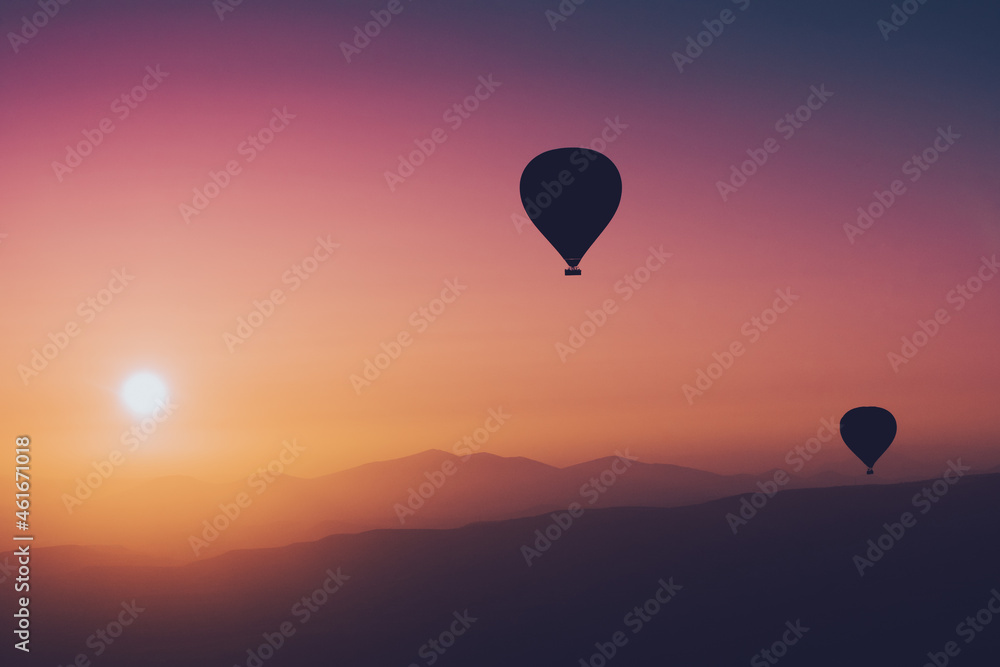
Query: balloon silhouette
(868, 432)
(571, 194)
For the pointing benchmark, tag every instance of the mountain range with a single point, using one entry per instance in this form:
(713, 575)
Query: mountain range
(432, 489)
(643, 585)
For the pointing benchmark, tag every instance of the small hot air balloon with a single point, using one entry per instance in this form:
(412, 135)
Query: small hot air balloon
(868, 432)
(571, 194)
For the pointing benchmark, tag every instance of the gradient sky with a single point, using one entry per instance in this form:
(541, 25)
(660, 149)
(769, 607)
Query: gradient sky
(323, 176)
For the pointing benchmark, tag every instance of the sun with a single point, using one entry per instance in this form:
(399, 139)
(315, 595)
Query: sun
(144, 392)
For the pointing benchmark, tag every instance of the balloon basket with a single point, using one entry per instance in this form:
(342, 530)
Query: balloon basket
(870, 472)
(573, 272)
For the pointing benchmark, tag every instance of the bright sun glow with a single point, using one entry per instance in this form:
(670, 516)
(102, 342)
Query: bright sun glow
(143, 392)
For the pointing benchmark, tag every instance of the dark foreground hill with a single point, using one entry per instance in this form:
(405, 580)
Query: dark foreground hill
(787, 582)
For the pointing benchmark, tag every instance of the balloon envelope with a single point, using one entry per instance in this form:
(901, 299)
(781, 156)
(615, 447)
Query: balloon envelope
(571, 194)
(868, 432)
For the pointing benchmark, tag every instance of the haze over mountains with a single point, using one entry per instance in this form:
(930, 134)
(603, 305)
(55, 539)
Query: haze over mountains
(790, 573)
(432, 489)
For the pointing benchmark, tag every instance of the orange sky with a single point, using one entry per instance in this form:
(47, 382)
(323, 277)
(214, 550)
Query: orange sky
(495, 345)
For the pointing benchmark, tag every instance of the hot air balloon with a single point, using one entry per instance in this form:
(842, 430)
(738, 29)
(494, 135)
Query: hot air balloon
(571, 194)
(868, 432)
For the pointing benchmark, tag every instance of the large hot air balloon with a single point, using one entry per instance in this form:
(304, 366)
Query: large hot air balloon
(571, 194)
(868, 432)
